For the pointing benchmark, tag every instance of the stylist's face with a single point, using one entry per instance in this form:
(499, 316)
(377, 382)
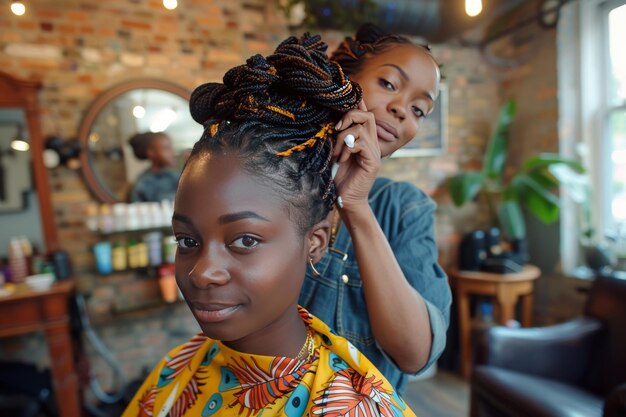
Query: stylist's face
(399, 88)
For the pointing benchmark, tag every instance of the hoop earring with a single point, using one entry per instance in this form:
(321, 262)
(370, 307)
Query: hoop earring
(315, 271)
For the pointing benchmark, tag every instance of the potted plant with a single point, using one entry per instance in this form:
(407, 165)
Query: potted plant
(534, 185)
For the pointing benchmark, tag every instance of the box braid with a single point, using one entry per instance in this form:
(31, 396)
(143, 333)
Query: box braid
(369, 39)
(277, 114)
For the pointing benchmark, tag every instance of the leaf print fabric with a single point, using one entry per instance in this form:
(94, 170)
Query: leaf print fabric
(204, 377)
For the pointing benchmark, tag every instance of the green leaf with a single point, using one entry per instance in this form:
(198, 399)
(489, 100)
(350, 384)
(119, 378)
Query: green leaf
(542, 203)
(465, 186)
(545, 178)
(495, 156)
(547, 159)
(512, 219)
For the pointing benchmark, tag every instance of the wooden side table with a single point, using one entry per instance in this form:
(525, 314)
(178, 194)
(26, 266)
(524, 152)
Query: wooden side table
(506, 289)
(27, 311)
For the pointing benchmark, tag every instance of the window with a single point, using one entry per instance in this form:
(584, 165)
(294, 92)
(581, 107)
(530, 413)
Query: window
(591, 65)
(615, 109)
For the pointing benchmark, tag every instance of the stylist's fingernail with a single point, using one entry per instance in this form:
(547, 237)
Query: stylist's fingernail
(333, 170)
(338, 125)
(349, 141)
(339, 201)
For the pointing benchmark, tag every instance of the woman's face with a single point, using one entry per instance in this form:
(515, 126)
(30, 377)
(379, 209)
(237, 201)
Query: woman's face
(241, 260)
(161, 152)
(399, 88)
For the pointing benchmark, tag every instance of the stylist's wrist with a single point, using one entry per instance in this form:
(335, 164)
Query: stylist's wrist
(356, 214)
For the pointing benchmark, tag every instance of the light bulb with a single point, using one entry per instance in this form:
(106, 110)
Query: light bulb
(20, 145)
(18, 8)
(473, 7)
(170, 4)
(139, 112)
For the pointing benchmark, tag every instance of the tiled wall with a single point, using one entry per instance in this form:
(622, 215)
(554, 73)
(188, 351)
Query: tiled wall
(81, 48)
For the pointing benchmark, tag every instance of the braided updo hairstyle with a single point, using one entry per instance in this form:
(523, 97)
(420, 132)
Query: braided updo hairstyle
(368, 40)
(277, 113)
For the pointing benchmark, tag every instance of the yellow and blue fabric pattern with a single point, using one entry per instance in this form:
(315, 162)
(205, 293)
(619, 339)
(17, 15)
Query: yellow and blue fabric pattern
(203, 377)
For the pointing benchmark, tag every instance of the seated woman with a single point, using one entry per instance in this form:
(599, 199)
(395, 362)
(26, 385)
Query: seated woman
(159, 181)
(249, 215)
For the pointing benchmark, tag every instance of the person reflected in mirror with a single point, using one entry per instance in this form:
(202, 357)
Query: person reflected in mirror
(380, 284)
(160, 180)
(249, 215)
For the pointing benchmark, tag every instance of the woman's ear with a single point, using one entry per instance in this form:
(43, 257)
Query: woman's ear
(318, 236)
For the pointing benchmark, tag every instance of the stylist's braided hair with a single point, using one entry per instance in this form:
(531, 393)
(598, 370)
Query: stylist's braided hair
(369, 40)
(277, 114)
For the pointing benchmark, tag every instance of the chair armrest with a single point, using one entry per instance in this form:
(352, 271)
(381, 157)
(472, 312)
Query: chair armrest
(615, 403)
(557, 352)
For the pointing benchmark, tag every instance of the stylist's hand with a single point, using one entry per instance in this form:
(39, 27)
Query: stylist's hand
(360, 163)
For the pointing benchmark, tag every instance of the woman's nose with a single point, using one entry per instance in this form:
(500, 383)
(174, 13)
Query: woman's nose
(397, 108)
(209, 270)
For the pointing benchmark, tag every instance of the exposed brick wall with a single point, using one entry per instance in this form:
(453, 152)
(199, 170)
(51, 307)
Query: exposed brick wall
(81, 48)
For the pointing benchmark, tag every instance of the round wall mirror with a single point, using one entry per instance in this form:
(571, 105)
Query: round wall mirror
(109, 164)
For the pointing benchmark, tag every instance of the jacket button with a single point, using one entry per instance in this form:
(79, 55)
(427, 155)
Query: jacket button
(345, 278)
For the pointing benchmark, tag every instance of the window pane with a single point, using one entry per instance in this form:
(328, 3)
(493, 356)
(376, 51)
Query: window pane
(617, 134)
(617, 35)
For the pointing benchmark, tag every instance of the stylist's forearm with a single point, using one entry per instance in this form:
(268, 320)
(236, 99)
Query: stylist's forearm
(397, 312)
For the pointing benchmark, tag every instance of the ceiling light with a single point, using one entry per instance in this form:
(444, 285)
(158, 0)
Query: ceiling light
(473, 7)
(18, 8)
(20, 145)
(170, 4)
(139, 112)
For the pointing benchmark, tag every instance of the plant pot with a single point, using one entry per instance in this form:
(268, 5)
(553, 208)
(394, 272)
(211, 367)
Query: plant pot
(597, 256)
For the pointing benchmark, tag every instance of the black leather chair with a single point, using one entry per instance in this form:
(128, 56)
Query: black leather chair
(573, 369)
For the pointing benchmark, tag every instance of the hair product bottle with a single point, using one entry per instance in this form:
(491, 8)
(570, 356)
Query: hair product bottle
(18, 263)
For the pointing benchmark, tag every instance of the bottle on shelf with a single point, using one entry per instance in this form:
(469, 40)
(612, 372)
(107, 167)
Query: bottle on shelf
(153, 243)
(119, 256)
(167, 283)
(18, 263)
(169, 249)
(27, 249)
(91, 217)
(120, 214)
(105, 219)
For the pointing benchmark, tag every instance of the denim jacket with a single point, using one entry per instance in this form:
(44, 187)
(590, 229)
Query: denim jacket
(405, 215)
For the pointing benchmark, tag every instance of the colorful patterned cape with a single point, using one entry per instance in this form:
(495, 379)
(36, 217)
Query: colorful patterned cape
(203, 377)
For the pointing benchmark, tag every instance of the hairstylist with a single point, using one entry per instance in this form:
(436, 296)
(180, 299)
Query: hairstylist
(380, 285)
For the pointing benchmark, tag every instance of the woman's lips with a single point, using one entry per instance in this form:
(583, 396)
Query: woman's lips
(213, 313)
(386, 132)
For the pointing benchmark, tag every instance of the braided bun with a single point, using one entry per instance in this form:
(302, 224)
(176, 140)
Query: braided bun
(296, 85)
(277, 113)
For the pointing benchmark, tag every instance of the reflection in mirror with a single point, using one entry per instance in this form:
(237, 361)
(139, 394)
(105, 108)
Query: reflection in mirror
(19, 208)
(134, 110)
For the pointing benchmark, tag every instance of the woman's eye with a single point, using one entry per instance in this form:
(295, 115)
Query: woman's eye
(418, 112)
(386, 84)
(186, 242)
(245, 242)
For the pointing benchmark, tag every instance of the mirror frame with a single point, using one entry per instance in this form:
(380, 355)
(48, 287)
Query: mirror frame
(94, 184)
(22, 93)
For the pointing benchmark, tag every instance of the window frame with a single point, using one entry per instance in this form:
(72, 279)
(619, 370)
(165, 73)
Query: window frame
(584, 112)
(607, 109)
